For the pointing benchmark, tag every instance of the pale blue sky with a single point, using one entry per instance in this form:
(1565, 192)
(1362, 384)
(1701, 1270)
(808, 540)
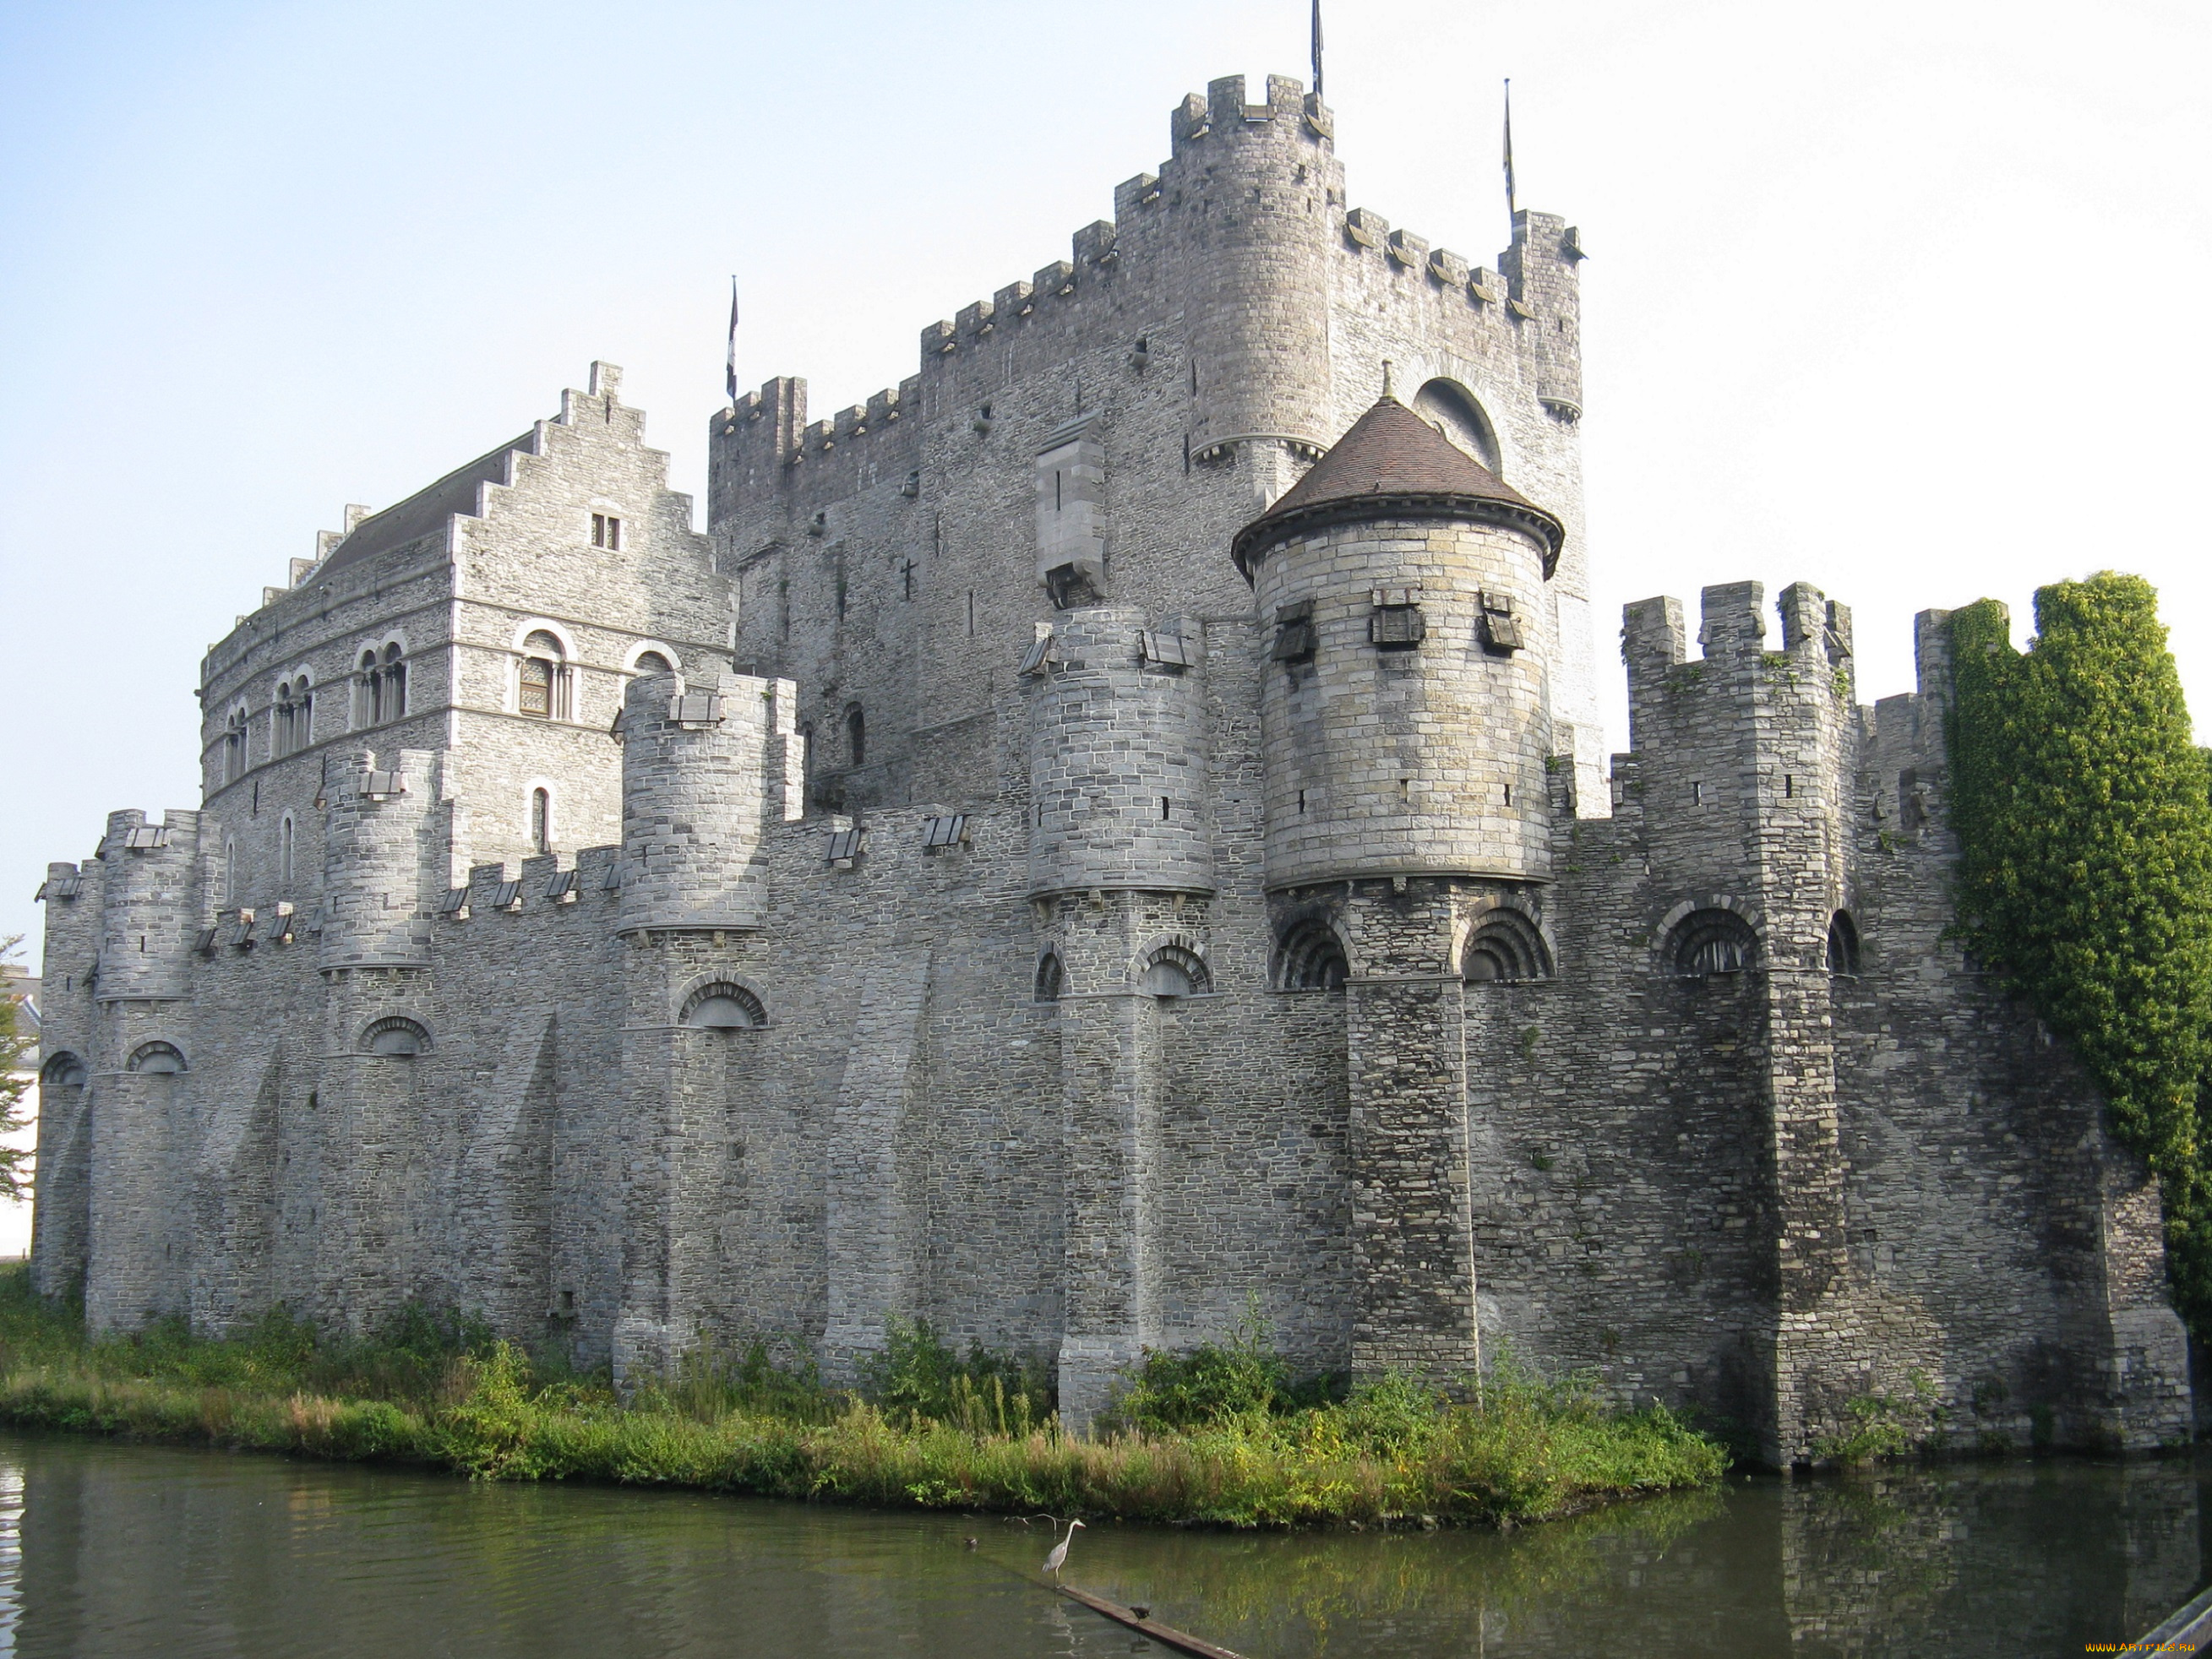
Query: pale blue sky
(1904, 298)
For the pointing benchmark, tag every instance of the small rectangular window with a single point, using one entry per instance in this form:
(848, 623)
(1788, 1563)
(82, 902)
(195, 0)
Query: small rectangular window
(947, 831)
(1294, 633)
(606, 531)
(1166, 650)
(1397, 626)
(455, 901)
(844, 846)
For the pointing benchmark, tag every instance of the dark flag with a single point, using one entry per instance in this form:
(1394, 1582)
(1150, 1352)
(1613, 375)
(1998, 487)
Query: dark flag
(731, 374)
(1316, 48)
(1508, 147)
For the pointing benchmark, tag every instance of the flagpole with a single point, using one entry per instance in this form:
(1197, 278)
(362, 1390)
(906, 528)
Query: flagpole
(1510, 210)
(730, 371)
(1316, 50)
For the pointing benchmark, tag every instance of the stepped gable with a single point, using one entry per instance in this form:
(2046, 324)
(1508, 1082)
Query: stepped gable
(425, 512)
(1393, 462)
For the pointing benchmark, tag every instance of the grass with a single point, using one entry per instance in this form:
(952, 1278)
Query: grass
(1221, 1436)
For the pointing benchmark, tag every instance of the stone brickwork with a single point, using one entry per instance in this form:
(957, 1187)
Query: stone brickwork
(1058, 859)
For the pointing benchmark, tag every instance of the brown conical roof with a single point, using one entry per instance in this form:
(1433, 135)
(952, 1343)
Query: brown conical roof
(1393, 462)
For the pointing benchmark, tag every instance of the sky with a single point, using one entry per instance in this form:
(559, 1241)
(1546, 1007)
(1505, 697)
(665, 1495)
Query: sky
(1905, 300)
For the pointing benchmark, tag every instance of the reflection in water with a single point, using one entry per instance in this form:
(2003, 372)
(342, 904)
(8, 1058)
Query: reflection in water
(11, 1554)
(123, 1550)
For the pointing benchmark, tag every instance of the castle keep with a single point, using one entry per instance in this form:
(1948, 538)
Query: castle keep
(1110, 827)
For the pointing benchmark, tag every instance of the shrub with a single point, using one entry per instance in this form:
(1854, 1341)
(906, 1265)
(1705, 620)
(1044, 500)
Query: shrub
(918, 1373)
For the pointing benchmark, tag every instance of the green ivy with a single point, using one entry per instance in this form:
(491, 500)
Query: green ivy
(2085, 876)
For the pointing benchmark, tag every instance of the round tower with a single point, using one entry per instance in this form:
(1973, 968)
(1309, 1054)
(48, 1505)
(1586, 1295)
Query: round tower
(374, 914)
(1261, 190)
(1118, 756)
(1404, 718)
(693, 793)
(148, 906)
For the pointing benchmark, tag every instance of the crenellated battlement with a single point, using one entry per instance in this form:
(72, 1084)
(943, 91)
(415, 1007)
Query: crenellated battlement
(1732, 635)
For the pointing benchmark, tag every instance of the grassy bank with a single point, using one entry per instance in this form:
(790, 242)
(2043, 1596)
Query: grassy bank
(1221, 1436)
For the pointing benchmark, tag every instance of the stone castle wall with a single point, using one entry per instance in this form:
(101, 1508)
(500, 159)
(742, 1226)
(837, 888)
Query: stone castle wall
(962, 900)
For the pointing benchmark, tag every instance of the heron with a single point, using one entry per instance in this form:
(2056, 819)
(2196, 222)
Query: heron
(1058, 1559)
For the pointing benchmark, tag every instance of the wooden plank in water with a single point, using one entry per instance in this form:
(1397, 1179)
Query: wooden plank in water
(1166, 1635)
(2189, 1631)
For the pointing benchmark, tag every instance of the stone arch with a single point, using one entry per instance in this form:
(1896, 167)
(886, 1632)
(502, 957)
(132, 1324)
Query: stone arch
(62, 1071)
(1310, 956)
(1173, 965)
(1504, 944)
(670, 662)
(1457, 413)
(395, 1036)
(1843, 945)
(721, 1003)
(156, 1059)
(1714, 938)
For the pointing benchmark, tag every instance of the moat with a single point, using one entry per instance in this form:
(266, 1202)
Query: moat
(111, 1550)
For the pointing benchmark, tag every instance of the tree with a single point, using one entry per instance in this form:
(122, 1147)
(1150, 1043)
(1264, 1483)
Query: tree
(19, 1050)
(2085, 876)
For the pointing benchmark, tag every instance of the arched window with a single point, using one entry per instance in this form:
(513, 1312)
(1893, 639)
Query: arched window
(364, 691)
(396, 1036)
(1311, 959)
(541, 820)
(652, 662)
(285, 864)
(856, 736)
(156, 1059)
(293, 726)
(1174, 971)
(1842, 944)
(1504, 945)
(1716, 941)
(233, 746)
(1051, 977)
(722, 1006)
(538, 693)
(64, 1071)
(392, 685)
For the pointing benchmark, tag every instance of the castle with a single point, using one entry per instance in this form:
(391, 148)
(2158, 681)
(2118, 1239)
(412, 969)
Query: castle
(1106, 831)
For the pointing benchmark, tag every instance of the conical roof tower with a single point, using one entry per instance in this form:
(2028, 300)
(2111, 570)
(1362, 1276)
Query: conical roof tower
(1393, 464)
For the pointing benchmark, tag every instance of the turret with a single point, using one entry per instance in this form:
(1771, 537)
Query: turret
(1542, 273)
(1264, 182)
(149, 905)
(705, 766)
(1117, 756)
(375, 911)
(1405, 714)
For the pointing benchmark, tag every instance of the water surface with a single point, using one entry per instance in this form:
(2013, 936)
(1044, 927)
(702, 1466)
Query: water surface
(118, 1550)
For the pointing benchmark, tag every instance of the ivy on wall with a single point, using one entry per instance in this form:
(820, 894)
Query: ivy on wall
(2085, 877)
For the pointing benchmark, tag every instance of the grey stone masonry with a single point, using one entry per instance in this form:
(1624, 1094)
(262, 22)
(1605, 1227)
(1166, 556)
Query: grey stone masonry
(1024, 869)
